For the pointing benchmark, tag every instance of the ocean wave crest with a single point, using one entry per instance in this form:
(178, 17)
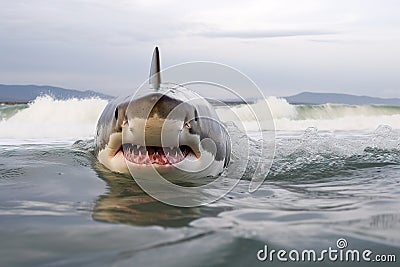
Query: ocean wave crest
(47, 117)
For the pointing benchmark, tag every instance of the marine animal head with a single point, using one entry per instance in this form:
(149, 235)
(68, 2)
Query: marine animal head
(170, 129)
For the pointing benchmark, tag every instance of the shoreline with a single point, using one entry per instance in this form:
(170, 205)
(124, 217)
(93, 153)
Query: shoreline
(12, 103)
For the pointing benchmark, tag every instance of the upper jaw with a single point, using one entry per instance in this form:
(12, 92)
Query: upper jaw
(153, 150)
(148, 155)
(158, 141)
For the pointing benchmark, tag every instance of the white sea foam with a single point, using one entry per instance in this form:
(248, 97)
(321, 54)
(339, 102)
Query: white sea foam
(330, 117)
(49, 118)
(71, 119)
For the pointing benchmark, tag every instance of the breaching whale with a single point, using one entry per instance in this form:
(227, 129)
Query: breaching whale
(169, 128)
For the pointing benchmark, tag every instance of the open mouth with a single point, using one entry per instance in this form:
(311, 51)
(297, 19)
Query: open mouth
(148, 155)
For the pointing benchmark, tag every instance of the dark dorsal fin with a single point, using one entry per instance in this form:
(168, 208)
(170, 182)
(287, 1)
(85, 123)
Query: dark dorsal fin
(155, 75)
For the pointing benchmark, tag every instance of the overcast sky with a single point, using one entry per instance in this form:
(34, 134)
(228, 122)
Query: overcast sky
(285, 46)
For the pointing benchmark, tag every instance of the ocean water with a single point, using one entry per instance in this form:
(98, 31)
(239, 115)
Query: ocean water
(335, 175)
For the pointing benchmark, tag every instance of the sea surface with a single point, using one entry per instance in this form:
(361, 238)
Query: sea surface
(335, 176)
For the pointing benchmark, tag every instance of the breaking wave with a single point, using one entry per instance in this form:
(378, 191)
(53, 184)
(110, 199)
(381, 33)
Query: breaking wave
(330, 117)
(46, 117)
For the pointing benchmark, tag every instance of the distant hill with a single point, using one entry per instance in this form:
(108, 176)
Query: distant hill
(324, 98)
(26, 93)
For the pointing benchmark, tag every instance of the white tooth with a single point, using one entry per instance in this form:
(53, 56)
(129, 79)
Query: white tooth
(140, 153)
(147, 153)
(167, 154)
(156, 153)
(176, 153)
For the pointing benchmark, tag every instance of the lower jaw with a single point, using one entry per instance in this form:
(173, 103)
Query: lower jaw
(161, 167)
(161, 161)
(152, 165)
(151, 171)
(155, 164)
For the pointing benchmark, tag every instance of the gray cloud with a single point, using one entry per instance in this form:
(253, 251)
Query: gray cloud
(256, 34)
(106, 45)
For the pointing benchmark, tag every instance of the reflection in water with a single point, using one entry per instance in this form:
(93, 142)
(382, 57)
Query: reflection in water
(127, 203)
